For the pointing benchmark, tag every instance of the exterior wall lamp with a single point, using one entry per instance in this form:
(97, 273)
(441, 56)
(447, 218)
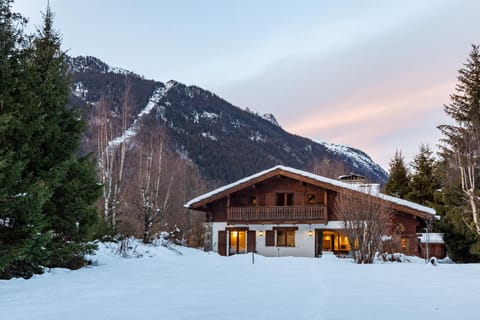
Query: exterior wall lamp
(260, 233)
(310, 233)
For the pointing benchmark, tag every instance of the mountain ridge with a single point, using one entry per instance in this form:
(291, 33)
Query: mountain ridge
(223, 140)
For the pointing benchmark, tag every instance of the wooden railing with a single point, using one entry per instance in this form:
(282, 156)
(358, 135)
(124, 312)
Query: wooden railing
(277, 214)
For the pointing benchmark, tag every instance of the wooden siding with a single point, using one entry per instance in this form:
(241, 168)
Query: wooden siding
(277, 214)
(436, 250)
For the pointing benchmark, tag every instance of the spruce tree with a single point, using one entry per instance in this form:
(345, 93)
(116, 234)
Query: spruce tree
(424, 180)
(23, 238)
(47, 193)
(70, 211)
(398, 183)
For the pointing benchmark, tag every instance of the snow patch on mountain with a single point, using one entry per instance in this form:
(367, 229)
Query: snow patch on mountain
(257, 137)
(205, 115)
(154, 100)
(209, 115)
(80, 91)
(209, 136)
(359, 158)
(236, 123)
(92, 64)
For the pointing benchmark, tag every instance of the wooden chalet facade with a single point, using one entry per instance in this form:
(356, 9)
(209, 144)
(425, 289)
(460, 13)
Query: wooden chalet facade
(288, 212)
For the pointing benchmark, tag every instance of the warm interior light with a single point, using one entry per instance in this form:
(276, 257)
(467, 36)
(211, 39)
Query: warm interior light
(310, 233)
(327, 238)
(260, 233)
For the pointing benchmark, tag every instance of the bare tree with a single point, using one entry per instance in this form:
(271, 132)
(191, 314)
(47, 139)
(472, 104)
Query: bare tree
(366, 220)
(461, 139)
(111, 150)
(466, 158)
(154, 184)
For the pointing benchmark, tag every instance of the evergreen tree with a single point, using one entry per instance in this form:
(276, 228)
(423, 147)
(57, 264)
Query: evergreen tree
(70, 211)
(22, 196)
(398, 183)
(47, 193)
(461, 147)
(424, 180)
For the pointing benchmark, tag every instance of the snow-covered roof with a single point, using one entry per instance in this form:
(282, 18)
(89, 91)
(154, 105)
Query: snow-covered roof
(315, 177)
(431, 237)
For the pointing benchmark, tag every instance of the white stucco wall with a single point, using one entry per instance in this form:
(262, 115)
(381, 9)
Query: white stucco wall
(304, 244)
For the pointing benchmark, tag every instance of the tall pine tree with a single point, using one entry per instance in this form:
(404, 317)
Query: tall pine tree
(70, 212)
(47, 193)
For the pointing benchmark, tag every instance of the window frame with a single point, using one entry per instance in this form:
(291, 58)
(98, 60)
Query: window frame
(284, 199)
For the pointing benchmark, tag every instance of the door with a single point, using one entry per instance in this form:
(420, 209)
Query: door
(238, 242)
(328, 241)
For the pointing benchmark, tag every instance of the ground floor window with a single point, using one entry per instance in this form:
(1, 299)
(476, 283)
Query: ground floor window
(404, 245)
(280, 237)
(285, 238)
(334, 241)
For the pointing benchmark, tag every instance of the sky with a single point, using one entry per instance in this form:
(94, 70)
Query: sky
(370, 74)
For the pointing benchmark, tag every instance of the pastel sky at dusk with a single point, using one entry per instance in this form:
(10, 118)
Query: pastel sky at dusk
(371, 74)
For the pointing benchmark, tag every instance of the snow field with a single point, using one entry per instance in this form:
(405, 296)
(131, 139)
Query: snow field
(198, 285)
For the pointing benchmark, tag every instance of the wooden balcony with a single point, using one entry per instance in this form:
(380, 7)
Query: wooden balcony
(277, 214)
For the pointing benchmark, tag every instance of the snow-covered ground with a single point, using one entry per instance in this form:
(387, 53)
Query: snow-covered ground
(199, 285)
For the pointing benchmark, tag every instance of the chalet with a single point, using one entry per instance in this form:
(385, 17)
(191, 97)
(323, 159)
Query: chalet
(288, 212)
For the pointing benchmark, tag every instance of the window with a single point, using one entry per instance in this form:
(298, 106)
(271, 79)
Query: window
(404, 243)
(285, 238)
(311, 198)
(284, 199)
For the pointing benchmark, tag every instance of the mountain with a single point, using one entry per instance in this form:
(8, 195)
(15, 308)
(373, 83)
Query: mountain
(224, 141)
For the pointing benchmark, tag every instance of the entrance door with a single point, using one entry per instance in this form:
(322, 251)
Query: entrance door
(328, 241)
(238, 243)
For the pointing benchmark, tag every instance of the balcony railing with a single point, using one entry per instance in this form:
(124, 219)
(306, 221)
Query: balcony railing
(277, 214)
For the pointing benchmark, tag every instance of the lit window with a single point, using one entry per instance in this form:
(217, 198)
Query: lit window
(404, 244)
